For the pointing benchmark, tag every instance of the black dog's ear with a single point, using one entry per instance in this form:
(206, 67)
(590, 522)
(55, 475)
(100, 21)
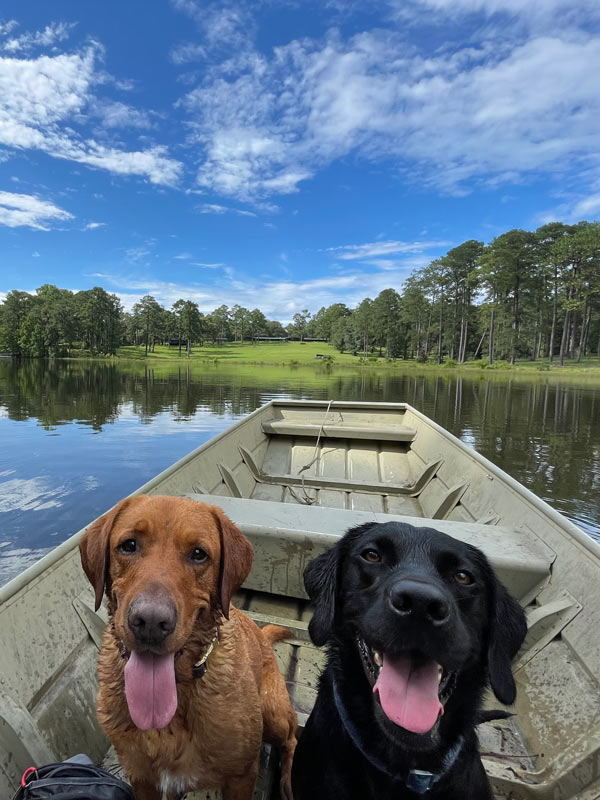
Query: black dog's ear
(320, 580)
(508, 628)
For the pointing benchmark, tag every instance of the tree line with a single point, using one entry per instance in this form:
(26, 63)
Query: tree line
(526, 294)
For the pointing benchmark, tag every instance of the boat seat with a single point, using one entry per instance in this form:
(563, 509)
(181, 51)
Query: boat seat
(427, 474)
(398, 433)
(287, 536)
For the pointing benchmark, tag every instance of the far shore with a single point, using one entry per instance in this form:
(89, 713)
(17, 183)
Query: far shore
(323, 355)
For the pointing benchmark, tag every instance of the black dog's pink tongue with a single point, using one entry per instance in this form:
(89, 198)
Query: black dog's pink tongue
(409, 693)
(150, 689)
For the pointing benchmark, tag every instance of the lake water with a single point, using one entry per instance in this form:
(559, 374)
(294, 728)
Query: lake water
(75, 437)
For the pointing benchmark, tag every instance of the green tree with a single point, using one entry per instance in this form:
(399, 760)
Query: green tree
(98, 320)
(387, 323)
(363, 324)
(579, 255)
(257, 323)
(462, 266)
(148, 313)
(300, 321)
(13, 312)
(239, 320)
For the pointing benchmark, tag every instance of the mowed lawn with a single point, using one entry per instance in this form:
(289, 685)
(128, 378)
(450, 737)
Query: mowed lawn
(246, 353)
(305, 354)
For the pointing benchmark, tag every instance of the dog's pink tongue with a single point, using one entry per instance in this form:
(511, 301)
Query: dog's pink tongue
(150, 689)
(409, 693)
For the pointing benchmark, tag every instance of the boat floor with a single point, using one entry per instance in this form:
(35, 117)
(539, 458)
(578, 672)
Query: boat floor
(301, 662)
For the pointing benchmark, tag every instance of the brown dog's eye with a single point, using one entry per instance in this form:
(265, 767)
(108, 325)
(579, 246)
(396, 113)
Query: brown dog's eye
(464, 578)
(372, 556)
(198, 555)
(128, 546)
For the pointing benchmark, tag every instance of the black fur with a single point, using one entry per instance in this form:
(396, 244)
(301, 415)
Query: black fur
(349, 748)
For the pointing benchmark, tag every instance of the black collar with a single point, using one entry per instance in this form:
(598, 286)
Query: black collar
(417, 780)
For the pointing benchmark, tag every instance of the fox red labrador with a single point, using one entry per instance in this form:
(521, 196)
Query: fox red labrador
(188, 685)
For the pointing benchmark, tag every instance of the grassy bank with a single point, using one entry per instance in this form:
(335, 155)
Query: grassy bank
(305, 354)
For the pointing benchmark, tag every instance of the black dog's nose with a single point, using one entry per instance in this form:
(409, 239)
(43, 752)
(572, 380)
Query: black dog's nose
(151, 619)
(421, 600)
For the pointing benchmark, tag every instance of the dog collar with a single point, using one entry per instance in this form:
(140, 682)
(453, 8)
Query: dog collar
(199, 668)
(418, 781)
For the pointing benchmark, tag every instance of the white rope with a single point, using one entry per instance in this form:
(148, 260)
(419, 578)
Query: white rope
(306, 499)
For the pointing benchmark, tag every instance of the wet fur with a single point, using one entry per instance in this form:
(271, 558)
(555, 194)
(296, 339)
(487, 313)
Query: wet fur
(487, 628)
(215, 736)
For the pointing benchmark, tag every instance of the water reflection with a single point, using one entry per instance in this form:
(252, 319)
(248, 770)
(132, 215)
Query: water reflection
(76, 436)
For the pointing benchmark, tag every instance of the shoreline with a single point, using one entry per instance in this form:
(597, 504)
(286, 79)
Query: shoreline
(304, 355)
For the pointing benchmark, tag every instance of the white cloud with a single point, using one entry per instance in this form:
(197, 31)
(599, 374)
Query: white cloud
(42, 99)
(92, 226)
(135, 255)
(8, 26)
(119, 115)
(587, 208)
(223, 25)
(183, 256)
(184, 53)
(35, 254)
(24, 210)
(55, 32)
(277, 298)
(537, 9)
(372, 250)
(575, 209)
(493, 112)
(214, 208)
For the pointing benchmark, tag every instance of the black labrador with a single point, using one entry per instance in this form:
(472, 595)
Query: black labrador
(417, 626)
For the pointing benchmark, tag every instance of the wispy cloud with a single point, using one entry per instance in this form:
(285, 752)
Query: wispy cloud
(492, 112)
(184, 53)
(214, 208)
(115, 114)
(92, 226)
(42, 101)
(137, 255)
(278, 299)
(55, 32)
(25, 210)
(371, 250)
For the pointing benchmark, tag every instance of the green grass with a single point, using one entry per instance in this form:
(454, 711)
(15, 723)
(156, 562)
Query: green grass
(296, 354)
(246, 353)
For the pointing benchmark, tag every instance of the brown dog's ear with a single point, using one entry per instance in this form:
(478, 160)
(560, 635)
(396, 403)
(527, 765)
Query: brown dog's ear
(236, 559)
(95, 551)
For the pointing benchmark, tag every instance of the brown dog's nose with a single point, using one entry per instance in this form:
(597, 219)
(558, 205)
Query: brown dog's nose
(151, 618)
(420, 600)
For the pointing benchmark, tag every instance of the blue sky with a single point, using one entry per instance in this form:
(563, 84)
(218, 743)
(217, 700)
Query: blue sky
(285, 154)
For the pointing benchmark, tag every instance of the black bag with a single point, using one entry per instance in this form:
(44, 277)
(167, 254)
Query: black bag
(75, 779)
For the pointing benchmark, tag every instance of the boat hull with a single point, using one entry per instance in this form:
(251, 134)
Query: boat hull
(294, 476)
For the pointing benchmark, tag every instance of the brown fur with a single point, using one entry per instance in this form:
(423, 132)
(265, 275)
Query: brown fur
(214, 738)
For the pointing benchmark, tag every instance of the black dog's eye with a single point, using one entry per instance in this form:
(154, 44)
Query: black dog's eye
(128, 546)
(372, 556)
(464, 578)
(198, 555)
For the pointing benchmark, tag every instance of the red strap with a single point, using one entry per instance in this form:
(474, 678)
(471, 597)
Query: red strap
(26, 775)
